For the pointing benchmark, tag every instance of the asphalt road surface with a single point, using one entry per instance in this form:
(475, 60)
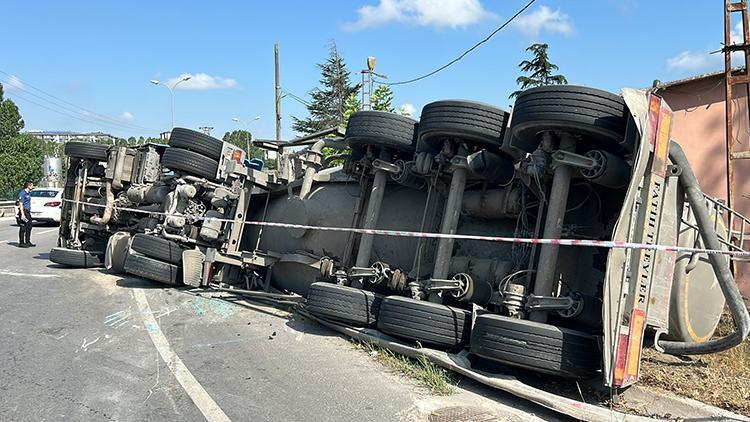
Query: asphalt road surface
(82, 344)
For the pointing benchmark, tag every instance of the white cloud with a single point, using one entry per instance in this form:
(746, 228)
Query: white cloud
(408, 109)
(693, 61)
(13, 83)
(436, 13)
(126, 115)
(202, 81)
(543, 19)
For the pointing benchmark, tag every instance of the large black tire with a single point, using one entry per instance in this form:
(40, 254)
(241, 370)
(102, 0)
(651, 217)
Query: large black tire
(599, 116)
(382, 129)
(425, 322)
(157, 247)
(75, 258)
(153, 269)
(196, 142)
(467, 120)
(190, 162)
(341, 303)
(535, 346)
(87, 150)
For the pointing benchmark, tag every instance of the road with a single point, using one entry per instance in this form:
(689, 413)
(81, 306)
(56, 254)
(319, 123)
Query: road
(82, 344)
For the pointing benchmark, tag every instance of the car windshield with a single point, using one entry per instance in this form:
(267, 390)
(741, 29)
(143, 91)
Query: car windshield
(43, 193)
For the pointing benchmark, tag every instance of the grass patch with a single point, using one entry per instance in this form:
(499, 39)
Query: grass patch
(720, 379)
(436, 379)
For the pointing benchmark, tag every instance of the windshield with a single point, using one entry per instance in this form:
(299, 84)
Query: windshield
(43, 193)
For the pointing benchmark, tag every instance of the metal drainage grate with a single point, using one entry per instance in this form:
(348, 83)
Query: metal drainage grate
(462, 414)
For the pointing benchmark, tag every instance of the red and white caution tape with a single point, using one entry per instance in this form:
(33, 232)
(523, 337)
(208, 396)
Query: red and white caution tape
(610, 244)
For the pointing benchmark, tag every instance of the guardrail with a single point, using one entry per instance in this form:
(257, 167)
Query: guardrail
(7, 208)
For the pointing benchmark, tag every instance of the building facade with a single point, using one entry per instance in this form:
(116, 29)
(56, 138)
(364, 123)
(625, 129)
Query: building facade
(700, 127)
(67, 136)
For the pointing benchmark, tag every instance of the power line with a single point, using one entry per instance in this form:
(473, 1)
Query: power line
(96, 123)
(492, 34)
(298, 99)
(84, 111)
(89, 117)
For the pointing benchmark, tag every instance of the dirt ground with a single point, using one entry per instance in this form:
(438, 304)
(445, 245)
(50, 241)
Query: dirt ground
(721, 379)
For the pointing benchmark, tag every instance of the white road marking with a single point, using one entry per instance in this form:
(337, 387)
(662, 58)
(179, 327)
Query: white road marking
(211, 411)
(33, 232)
(12, 274)
(46, 231)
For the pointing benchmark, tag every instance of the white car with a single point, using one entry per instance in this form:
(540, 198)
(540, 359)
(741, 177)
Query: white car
(46, 204)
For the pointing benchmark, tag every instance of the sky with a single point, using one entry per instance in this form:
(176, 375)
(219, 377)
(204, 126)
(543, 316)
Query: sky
(86, 65)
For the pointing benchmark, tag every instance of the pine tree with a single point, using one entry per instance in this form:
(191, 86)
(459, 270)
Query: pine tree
(382, 99)
(328, 106)
(540, 70)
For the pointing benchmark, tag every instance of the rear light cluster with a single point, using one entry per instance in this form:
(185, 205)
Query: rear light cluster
(53, 204)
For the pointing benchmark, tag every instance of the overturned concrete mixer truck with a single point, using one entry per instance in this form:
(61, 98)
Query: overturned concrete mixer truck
(559, 239)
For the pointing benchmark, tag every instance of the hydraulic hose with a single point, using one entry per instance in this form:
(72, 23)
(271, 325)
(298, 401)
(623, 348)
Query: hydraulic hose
(719, 263)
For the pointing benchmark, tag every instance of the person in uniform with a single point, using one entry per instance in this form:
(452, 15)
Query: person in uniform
(24, 216)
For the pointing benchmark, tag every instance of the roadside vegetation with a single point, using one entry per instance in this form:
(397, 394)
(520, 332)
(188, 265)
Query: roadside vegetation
(721, 379)
(436, 379)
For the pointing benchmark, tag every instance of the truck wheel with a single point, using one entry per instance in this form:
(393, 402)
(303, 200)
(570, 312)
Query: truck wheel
(87, 150)
(153, 269)
(535, 346)
(468, 120)
(157, 247)
(190, 162)
(599, 116)
(196, 142)
(117, 251)
(341, 303)
(425, 322)
(381, 128)
(75, 258)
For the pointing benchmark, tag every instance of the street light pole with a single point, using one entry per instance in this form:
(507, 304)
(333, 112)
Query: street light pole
(171, 90)
(247, 129)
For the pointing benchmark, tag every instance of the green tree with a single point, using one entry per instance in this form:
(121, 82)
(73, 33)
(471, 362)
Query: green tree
(21, 158)
(353, 105)
(540, 70)
(243, 139)
(11, 122)
(382, 99)
(329, 102)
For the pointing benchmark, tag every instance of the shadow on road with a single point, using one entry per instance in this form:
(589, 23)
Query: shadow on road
(43, 255)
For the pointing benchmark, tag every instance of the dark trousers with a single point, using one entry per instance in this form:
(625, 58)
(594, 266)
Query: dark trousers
(24, 232)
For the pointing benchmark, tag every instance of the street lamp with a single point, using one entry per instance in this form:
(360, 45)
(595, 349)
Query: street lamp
(247, 128)
(171, 90)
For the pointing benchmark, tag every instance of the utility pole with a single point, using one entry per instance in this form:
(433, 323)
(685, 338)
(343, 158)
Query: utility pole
(206, 129)
(278, 92)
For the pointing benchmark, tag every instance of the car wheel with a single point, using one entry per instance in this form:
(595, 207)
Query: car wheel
(190, 162)
(87, 150)
(153, 269)
(381, 129)
(425, 322)
(598, 116)
(535, 346)
(157, 247)
(466, 120)
(197, 142)
(75, 258)
(345, 304)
